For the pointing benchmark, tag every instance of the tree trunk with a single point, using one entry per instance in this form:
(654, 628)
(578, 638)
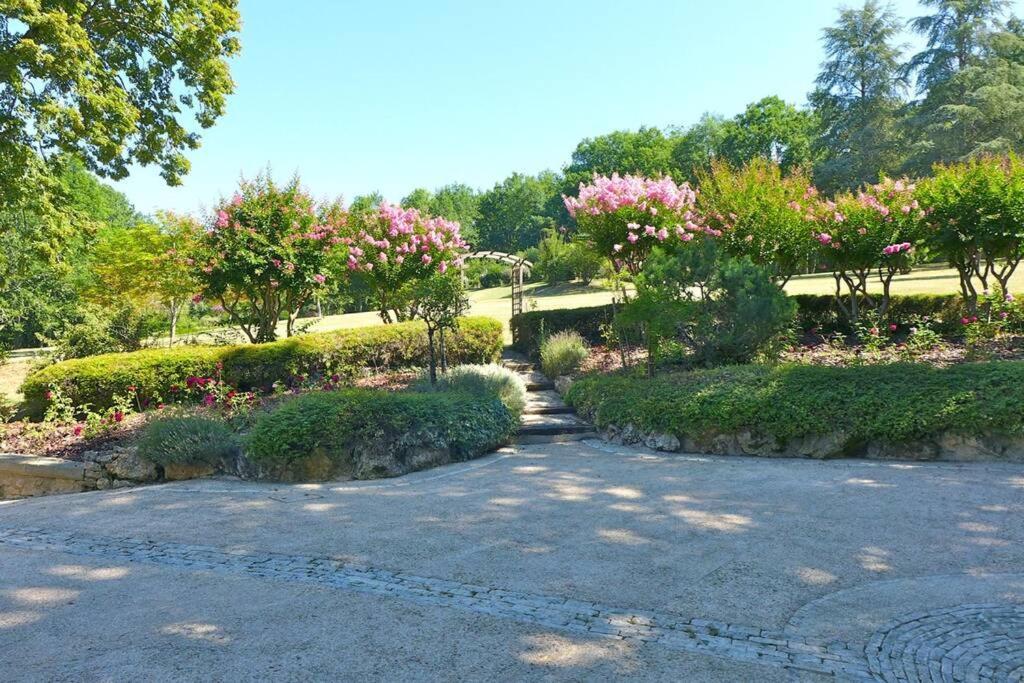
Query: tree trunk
(442, 352)
(433, 357)
(175, 309)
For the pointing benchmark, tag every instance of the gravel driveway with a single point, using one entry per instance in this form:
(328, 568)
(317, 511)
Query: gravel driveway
(580, 561)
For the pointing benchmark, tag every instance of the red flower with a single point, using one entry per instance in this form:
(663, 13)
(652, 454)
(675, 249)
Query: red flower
(893, 327)
(209, 400)
(77, 431)
(118, 416)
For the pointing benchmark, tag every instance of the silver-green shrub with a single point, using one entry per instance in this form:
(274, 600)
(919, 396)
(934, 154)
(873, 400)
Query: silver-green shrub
(562, 353)
(188, 440)
(492, 379)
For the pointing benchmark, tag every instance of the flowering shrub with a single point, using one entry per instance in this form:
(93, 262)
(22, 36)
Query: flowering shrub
(759, 214)
(976, 220)
(266, 252)
(624, 217)
(873, 230)
(392, 247)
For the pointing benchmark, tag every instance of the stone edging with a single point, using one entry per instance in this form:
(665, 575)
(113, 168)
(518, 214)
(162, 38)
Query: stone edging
(943, 447)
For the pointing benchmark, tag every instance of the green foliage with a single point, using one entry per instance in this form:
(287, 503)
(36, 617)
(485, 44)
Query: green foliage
(866, 403)
(752, 207)
(646, 152)
(970, 75)
(515, 212)
(562, 353)
(188, 440)
(439, 301)
(268, 251)
(483, 273)
(109, 81)
(976, 220)
(153, 372)
(456, 202)
(530, 328)
(723, 309)
(697, 146)
(486, 381)
(858, 97)
(769, 129)
(123, 328)
(326, 434)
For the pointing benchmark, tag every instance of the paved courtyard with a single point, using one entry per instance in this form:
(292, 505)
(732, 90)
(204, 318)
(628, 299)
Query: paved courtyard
(552, 562)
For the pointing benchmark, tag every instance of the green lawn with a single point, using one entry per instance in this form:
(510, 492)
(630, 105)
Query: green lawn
(923, 280)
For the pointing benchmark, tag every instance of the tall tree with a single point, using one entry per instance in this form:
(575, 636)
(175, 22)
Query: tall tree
(695, 148)
(965, 78)
(515, 212)
(956, 34)
(110, 82)
(646, 152)
(771, 129)
(858, 97)
(458, 202)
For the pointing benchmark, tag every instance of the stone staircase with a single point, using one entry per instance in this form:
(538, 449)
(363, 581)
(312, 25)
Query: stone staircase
(546, 419)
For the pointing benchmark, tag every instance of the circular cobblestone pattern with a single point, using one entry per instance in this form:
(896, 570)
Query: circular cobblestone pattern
(963, 643)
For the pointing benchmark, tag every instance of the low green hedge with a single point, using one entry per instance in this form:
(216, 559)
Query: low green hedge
(867, 404)
(528, 328)
(372, 433)
(97, 379)
(815, 311)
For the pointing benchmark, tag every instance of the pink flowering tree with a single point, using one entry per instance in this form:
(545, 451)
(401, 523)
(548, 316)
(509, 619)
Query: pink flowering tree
(624, 217)
(392, 249)
(875, 231)
(266, 252)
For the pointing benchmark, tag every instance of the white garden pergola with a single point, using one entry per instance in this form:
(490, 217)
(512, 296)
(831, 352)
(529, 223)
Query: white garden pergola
(518, 265)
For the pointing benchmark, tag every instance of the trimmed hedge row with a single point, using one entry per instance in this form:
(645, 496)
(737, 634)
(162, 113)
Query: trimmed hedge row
(869, 404)
(370, 433)
(814, 311)
(97, 379)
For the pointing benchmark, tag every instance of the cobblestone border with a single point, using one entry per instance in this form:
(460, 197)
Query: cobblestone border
(968, 643)
(640, 627)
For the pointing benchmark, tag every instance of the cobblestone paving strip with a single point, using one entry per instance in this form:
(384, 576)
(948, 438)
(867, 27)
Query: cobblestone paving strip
(731, 641)
(963, 643)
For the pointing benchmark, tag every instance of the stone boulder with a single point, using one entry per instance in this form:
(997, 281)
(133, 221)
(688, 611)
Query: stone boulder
(126, 464)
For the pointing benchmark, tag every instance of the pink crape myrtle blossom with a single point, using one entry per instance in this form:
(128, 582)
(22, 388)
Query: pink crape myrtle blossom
(391, 247)
(624, 217)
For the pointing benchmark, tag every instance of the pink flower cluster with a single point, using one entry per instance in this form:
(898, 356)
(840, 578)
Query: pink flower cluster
(396, 235)
(896, 248)
(608, 195)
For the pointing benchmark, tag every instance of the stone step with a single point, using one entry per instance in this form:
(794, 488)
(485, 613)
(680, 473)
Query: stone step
(531, 438)
(536, 381)
(562, 420)
(542, 409)
(545, 403)
(517, 366)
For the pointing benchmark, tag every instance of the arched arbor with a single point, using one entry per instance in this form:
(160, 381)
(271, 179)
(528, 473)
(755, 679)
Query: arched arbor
(518, 265)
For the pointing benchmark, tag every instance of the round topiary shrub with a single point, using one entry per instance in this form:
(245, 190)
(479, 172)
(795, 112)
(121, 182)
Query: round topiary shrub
(186, 445)
(562, 353)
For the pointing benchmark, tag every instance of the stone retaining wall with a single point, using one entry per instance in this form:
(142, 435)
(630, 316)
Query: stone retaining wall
(29, 475)
(943, 446)
(24, 476)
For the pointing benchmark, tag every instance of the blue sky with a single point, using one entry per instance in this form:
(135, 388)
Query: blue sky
(360, 96)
